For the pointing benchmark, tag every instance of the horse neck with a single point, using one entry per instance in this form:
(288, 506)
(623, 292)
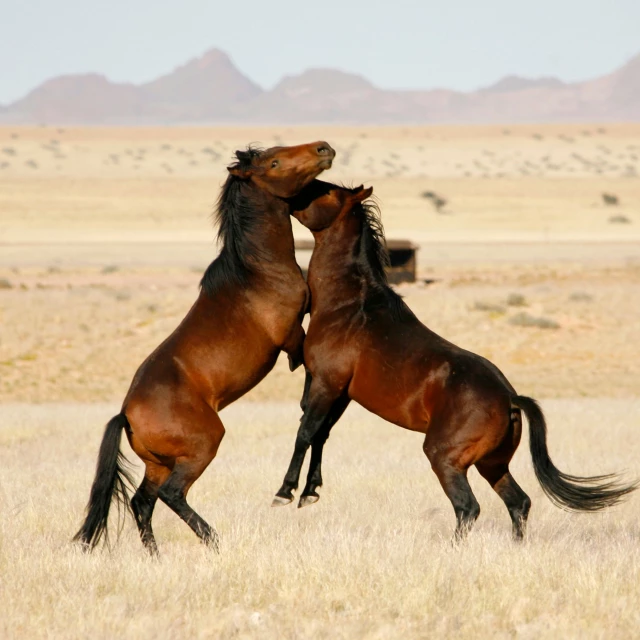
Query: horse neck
(273, 236)
(334, 274)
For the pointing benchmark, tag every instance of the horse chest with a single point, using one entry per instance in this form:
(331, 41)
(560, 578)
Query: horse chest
(277, 312)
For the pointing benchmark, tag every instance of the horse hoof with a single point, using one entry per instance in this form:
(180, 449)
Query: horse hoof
(305, 501)
(279, 501)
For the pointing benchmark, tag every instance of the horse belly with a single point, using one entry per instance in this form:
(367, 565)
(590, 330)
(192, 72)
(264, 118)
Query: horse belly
(391, 394)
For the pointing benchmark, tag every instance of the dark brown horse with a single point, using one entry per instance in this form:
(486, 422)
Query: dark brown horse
(250, 307)
(364, 344)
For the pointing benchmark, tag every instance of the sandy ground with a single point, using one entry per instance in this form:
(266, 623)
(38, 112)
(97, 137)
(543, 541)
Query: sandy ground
(140, 184)
(372, 559)
(79, 334)
(104, 234)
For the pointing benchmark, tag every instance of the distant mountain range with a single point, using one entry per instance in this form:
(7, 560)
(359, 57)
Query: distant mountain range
(211, 90)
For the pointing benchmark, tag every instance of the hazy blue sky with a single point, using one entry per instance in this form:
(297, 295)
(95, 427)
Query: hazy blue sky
(460, 44)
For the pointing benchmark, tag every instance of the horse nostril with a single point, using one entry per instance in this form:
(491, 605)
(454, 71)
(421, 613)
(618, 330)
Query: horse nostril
(322, 151)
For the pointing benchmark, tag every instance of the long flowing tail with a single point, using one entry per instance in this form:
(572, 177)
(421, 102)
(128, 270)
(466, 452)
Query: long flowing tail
(568, 492)
(111, 479)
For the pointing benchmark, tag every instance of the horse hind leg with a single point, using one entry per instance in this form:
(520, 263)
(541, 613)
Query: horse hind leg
(174, 494)
(494, 468)
(516, 500)
(456, 486)
(144, 501)
(186, 470)
(453, 479)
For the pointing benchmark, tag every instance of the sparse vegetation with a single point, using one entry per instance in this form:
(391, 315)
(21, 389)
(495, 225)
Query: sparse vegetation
(580, 296)
(480, 305)
(610, 199)
(516, 300)
(438, 201)
(619, 219)
(526, 320)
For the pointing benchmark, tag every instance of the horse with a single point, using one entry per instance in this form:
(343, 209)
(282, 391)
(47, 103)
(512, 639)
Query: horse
(364, 344)
(251, 303)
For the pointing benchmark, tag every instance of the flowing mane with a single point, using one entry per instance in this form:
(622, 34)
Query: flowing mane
(235, 217)
(373, 260)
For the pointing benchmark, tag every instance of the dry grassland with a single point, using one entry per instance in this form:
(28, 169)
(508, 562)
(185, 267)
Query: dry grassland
(372, 559)
(104, 234)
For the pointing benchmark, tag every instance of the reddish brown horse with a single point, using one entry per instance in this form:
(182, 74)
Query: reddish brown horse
(250, 307)
(364, 344)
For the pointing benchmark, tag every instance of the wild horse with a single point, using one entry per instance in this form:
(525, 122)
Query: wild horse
(250, 307)
(364, 344)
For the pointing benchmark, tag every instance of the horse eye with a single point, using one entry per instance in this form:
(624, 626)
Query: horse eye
(274, 164)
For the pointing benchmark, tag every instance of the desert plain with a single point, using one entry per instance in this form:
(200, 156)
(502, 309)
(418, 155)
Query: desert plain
(104, 235)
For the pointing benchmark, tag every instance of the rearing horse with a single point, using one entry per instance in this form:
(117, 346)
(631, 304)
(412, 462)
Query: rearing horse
(250, 307)
(364, 344)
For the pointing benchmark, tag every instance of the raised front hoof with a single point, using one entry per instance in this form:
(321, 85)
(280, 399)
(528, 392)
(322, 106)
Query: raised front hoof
(281, 501)
(305, 501)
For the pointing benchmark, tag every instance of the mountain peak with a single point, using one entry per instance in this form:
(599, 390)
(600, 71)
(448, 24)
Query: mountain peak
(210, 88)
(323, 80)
(518, 83)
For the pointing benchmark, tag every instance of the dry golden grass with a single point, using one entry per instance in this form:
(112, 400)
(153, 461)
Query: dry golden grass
(372, 559)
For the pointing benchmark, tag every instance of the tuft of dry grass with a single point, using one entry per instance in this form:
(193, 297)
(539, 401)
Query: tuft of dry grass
(516, 300)
(527, 320)
(372, 559)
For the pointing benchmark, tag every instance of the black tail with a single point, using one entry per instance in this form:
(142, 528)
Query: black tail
(568, 492)
(111, 479)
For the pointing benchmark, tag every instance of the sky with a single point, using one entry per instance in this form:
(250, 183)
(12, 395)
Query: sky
(396, 44)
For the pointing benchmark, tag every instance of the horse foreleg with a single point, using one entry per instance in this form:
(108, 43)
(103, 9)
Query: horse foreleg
(294, 347)
(314, 477)
(315, 416)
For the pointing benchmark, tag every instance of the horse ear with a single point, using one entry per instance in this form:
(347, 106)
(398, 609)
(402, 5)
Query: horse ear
(240, 172)
(360, 193)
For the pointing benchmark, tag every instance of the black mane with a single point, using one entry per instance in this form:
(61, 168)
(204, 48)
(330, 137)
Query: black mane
(236, 219)
(373, 261)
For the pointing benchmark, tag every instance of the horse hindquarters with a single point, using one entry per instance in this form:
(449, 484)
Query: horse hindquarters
(174, 459)
(494, 468)
(476, 431)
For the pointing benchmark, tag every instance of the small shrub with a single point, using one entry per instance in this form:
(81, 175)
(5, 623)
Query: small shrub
(516, 300)
(619, 219)
(526, 320)
(610, 199)
(5, 284)
(111, 268)
(479, 305)
(580, 296)
(438, 202)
